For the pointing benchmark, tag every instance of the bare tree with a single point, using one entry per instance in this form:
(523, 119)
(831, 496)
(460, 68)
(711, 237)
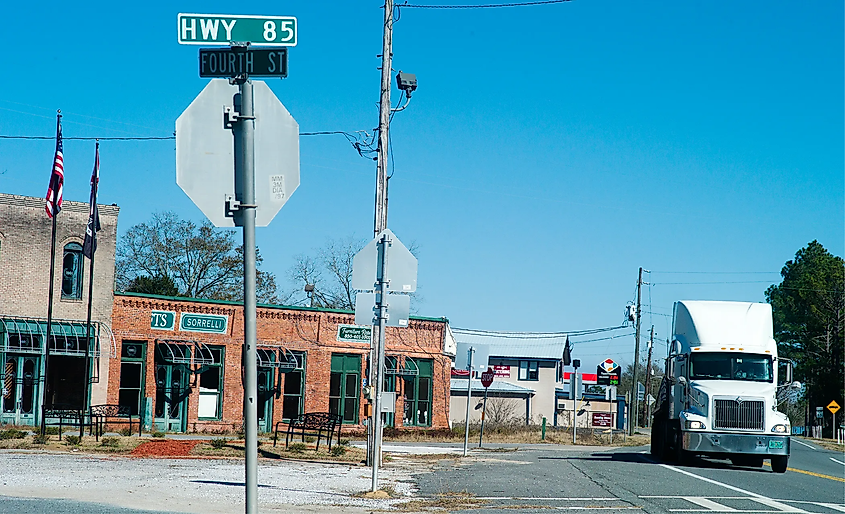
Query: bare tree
(329, 271)
(503, 411)
(200, 261)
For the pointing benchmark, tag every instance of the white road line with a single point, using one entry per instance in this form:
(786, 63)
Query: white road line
(709, 504)
(780, 506)
(777, 505)
(833, 506)
(544, 499)
(794, 440)
(839, 461)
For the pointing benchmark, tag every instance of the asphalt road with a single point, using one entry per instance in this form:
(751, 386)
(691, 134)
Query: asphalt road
(557, 478)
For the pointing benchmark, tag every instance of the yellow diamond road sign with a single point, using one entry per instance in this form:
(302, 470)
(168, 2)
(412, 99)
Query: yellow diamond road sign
(833, 407)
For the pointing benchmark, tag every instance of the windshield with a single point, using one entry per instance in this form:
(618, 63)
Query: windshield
(731, 366)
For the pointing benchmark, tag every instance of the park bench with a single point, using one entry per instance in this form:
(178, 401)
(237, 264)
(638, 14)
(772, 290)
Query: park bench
(111, 414)
(312, 424)
(67, 416)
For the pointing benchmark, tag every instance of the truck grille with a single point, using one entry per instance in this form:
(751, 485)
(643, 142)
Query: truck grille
(737, 413)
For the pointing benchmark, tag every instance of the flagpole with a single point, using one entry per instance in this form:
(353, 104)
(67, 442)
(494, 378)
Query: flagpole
(91, 226)
(50, 294)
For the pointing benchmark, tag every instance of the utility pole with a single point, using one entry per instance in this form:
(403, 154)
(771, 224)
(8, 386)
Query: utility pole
(648, 377)
(633, 407)
(380, 223)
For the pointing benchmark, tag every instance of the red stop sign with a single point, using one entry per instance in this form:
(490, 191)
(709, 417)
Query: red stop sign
(487, 377)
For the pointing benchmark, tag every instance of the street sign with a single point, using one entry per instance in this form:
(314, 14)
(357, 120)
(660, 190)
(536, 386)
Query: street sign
(640, 392)
(222, 29)
(398, 309)
(833, 407)
(607, 373)
(819, 412)
(401, 266)
(480, 356)
(205, 153)
(487, 377)
(237, 62)
(650, 400)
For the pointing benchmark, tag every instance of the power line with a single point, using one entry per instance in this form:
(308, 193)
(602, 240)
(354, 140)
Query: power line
(484, 6)
(720, 272)
(151, 138)
(533, 335)
(702, 283)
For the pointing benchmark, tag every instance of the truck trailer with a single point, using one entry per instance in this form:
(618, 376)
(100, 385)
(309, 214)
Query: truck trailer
(718, 396)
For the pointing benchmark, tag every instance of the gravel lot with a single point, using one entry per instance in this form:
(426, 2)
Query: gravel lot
(194, 485)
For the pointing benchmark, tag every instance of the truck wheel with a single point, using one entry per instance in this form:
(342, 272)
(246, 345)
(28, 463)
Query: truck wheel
(779, 463)
(656, 440)
(681, 455)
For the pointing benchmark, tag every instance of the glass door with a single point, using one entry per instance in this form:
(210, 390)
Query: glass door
(266, 390)
(172, 393)
(20, 389)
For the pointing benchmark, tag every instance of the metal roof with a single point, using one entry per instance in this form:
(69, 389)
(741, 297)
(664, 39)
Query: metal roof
(515, 344)
(460, 384)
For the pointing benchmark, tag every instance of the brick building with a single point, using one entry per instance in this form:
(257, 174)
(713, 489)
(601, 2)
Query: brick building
(24, 280)
(180, 364)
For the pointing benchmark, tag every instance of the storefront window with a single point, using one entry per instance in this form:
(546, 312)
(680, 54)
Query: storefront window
(293, 403)
(418, 392)
(132, 365)
(343, 386)
(211, 385)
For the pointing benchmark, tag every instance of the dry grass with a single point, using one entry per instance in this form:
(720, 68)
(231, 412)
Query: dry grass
(446, 501)
(119, 445)
(516, 434)
(235, 448)
(827, 444)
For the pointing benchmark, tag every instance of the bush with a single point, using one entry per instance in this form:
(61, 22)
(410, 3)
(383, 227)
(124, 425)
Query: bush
(343, 442)
(338, 450)
(12, 433)
(72, 440)
(297, 447)
(219, 443)
(125, 432)
(111, 442)
(310, 439)
(40, 439)
(52, 430)
(158, 434)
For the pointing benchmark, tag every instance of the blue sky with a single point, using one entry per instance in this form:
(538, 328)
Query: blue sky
(548, 153)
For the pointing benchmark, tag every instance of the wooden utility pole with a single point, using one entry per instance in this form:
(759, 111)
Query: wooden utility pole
(648, 378)
(380, 223)
(633, 407)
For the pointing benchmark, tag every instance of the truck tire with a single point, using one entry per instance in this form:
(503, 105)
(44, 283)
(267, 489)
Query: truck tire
(657, 440)
(681, 455)
(749, 461)
(779, 463)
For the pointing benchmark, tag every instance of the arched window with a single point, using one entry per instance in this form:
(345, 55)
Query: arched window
(72, 272)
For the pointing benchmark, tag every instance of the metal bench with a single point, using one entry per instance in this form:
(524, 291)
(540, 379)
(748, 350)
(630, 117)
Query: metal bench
(312, 424)
(67, 416)
(111, 414)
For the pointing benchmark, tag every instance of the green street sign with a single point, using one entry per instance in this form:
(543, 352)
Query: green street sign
(163, 320)
(353, 334)
(209, 323)
(222, 29)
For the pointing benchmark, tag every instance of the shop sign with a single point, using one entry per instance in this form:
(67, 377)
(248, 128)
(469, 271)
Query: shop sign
(607, 373)
(162, 320)
(602, 419)
(354, 334)
(502, 371)
(208, 323)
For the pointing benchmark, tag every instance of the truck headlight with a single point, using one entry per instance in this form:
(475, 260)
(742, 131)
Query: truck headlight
(695, 425)
(780, 429)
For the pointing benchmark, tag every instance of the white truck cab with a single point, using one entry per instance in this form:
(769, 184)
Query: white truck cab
(718, 396)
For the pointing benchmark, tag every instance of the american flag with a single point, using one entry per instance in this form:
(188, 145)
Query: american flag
(57, 179)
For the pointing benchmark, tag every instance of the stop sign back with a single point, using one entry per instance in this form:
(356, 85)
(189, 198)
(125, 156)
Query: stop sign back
(487, 377)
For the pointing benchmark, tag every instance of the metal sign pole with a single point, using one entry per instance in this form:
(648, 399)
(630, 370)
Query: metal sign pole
(483, 415)
(469, 400)
(381, 300)
(245, 127)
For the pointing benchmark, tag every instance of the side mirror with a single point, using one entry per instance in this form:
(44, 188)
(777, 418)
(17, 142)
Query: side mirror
(682, 380)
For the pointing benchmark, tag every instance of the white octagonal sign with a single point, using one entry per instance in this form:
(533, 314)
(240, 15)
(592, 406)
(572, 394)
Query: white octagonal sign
(205, 165)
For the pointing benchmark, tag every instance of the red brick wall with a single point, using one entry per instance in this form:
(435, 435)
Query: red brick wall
(308, 330)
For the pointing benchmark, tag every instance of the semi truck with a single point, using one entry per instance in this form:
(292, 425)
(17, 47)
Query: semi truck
(718, 396)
